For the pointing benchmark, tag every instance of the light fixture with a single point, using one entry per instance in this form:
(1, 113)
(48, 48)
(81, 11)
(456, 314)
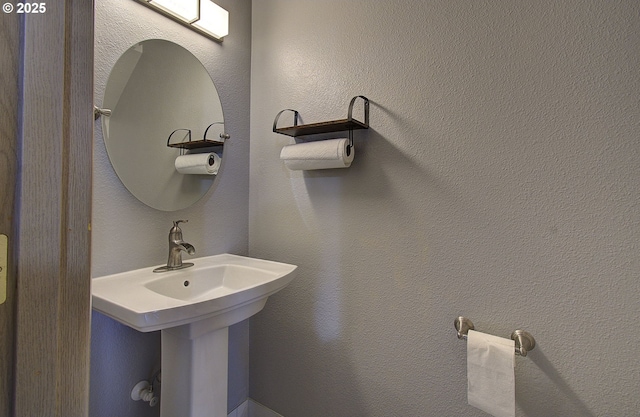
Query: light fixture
(213, 19)
(188, 11)
(202, 16)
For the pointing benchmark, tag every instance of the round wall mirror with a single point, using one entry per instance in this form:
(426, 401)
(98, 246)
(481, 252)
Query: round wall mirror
(165, 114)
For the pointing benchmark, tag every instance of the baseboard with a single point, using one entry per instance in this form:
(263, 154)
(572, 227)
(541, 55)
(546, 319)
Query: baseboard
(252, 408)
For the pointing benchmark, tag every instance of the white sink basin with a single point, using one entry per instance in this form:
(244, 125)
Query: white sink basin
(218, 291)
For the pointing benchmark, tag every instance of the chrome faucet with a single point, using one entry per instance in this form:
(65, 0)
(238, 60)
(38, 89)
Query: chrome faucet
(176, 246)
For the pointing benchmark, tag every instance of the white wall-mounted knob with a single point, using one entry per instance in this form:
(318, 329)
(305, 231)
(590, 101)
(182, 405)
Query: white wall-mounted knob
(143, 391)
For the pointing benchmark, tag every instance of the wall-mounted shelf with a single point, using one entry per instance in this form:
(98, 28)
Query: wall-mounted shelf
(197, 144)
(341, 125)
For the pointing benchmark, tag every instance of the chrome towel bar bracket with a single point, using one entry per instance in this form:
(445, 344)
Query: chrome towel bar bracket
(524, 341)
(463, 325)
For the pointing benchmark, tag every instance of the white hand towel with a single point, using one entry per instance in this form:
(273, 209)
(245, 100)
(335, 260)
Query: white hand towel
(491, 374)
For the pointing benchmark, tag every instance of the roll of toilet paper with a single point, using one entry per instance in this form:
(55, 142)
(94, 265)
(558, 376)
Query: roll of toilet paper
(198, 164)
(325, 154)
(490, 374)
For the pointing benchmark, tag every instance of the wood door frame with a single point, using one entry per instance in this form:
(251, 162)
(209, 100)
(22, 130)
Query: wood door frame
(9, 85)
(53, 300)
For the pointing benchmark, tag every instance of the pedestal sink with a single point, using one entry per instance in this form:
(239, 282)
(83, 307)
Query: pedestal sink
(193, 308)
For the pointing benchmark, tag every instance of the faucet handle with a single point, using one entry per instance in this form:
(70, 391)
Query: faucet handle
(176, 232)
(176, 222)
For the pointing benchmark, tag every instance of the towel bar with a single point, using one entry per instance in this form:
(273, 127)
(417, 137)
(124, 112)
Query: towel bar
(524, 341)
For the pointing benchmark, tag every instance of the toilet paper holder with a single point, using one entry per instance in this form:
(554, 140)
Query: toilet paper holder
(524, 341)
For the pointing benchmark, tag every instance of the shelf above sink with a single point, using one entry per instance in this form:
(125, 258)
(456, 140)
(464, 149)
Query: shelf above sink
(322, 127)
(340, 125)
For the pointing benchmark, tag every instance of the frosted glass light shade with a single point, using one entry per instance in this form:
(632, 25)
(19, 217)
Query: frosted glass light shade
(186, 10)
(202, 16)
(214, 20)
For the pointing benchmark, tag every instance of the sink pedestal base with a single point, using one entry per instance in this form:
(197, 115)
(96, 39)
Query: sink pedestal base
(195, 364)
(194, 373)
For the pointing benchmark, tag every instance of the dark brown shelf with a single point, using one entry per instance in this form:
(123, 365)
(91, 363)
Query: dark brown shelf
(341, 125)
(196, 144)
(322, 127)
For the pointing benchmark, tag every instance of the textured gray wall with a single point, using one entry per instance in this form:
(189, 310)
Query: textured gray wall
(128, 235)
(500, 180)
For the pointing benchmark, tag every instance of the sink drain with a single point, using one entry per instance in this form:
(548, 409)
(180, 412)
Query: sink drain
(186, 283)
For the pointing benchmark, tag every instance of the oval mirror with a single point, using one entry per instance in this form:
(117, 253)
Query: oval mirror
(162, 100)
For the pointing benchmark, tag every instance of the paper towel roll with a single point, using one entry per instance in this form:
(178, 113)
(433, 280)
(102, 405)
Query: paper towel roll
(198, 163)
(490, 374)
(325, 154)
